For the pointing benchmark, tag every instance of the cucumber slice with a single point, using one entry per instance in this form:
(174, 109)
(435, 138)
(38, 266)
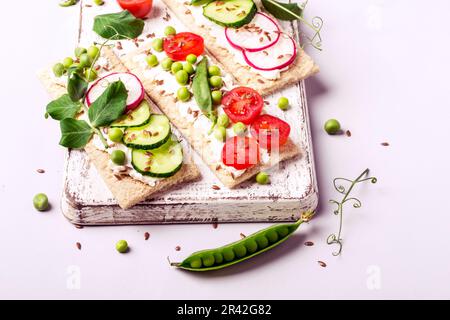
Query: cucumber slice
(200, 2)
(137, 118)
(230, 13)
(150, 136)
(163, 162)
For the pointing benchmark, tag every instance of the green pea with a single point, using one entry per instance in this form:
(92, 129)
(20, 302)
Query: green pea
(196, 263)
(167, 64)
(93, 52)
(262, 242)
(223, 120)
(182, 77)
(263, 178)
(251, 246)
(170, 31)
(157, 44)
(214, 71)
(67, 62)
(239, 129)
(283, 103)
(79, 51)
(240, 250)
(191, 58)
(118, 157)
(85, 60)
(332, 126)
(188, 68)
(216, 96)
(220, 133)
(99, 2)
(90, 75)
(58, 70)
(122, 246)
(283, 232)
(115, 134)
(216, 81)
(40, 202)
(218, 258)
(228, 254)
(272, 235)
(183, 94)
(152, 60)
(208, 260)
(176, 66)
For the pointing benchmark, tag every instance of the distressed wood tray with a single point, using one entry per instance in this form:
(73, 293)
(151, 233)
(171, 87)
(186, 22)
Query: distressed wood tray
(86, 200)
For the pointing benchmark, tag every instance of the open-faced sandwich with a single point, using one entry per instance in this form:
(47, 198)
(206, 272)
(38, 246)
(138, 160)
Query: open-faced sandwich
(130, 142)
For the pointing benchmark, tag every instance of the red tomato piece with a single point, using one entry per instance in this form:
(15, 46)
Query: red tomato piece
(179, 46)
(240, 152)
(138, 8)
(270, 131)
(242, 104)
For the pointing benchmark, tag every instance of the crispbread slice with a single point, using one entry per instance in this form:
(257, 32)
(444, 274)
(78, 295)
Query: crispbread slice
(301, 69)
(199, 140)
(127, 191)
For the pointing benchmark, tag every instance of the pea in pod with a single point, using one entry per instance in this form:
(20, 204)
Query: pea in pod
(242, 250)
(201, 88)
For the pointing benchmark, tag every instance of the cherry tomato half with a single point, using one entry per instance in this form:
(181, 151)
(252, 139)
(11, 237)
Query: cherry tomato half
(240, 152)
(270, 131)
(242, 104)
(138, 8)
(179, 46)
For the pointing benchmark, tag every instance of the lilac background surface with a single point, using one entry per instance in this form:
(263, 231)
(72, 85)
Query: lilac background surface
(384, 76)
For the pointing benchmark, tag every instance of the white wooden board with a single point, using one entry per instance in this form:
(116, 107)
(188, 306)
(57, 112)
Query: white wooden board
(87, 201)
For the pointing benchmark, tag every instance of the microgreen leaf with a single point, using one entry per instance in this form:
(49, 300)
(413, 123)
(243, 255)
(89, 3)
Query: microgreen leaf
(118, 26)
(76, 87)
(109, 106)
(75, 134)
(63, 108)
(283, 11)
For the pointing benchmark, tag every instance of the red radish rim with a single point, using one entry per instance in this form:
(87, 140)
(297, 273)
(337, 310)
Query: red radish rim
(130, 106)
(236, 46)
(281, 66)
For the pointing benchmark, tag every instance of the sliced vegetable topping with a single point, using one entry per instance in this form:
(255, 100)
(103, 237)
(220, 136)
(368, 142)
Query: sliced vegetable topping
(240, 152)
(163, 162)
(179, 46)
(278, 56)
(151, 136)
(270, 131)
(138, 8)
(230, 13)
(132, 84)
(263, 32)
(136, 118)
(242, 104)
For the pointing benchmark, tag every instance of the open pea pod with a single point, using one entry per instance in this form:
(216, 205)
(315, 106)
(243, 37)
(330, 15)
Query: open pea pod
(242, 250)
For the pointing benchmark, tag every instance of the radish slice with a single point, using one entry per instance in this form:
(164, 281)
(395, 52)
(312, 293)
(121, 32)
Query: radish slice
(263, 32)
(278, 56)
(134, 87)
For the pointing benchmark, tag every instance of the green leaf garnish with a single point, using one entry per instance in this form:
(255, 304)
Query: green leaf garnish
(76, 86)
(335, 238)
(118, 26)
(75, 134)
(109, 106)
(63, 108)
(201, 88)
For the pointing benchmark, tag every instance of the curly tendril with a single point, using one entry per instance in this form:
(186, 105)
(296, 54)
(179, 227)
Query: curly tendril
(335, 239)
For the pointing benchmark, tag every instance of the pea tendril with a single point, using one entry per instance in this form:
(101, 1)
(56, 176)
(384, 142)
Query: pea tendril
(335, 238)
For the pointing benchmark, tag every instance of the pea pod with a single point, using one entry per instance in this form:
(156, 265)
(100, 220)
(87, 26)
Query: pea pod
(201, 88)
(239, 251)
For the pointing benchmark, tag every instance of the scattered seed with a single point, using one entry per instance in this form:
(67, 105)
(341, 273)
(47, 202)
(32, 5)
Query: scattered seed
(215, 187)
(119, 45)
(215, 224)
(243, 236)
(78, 246)
(322, 264)
(41, 171)
(348, 133)
(309, 243)
(177, 248)
(385, 144)
(261, 81)
(146, 236)
(79, 227)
